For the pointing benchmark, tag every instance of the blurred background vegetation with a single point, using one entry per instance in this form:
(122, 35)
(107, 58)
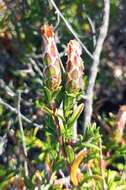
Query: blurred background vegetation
(21, 69)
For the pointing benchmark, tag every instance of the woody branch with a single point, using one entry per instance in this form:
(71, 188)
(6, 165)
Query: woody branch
(96, 61)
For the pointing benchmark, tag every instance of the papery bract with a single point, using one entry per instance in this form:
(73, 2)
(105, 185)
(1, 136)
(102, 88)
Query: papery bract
(74, 67)
(52, 71)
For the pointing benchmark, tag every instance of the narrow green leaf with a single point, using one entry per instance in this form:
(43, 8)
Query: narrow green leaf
(48, 94)
(89, 145)
(70, 154)
(75, 115)
(56, 93)
(46, 109)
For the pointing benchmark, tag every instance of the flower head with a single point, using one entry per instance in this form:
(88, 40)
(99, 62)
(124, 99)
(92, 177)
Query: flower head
(74, 67)
(52, 71)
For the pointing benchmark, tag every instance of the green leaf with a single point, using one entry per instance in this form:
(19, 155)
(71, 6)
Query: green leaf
(48, 94)
(70, 94)
(44, 107)
(59, 164)
(51, 131)
(75, 115)
(90, 145)
(69, 100)
(70, 154)
(56, 93)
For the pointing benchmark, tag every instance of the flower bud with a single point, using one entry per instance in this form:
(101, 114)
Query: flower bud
(52, 71)
(74, 67)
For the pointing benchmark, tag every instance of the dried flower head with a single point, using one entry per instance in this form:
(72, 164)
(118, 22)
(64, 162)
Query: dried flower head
(52, 71)
(74, 67)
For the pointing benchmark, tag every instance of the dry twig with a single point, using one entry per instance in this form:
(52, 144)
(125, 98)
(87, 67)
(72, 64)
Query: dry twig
(92, 24)
(70, 28)
(8, 106)
(36, 67)
(96, 61)
(22, 136)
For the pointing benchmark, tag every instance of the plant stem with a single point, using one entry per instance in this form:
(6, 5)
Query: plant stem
(75, 126)
(102, 165)
(58, 129)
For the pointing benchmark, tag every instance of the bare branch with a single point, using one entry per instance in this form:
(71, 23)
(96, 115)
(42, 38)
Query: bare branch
(7, 88)
(70, 28)
(36, 67)
(92, 24)
(58, 20)
(63, 181)
(67, 184)
(8, 106)
(22, 136)
(96, 61)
